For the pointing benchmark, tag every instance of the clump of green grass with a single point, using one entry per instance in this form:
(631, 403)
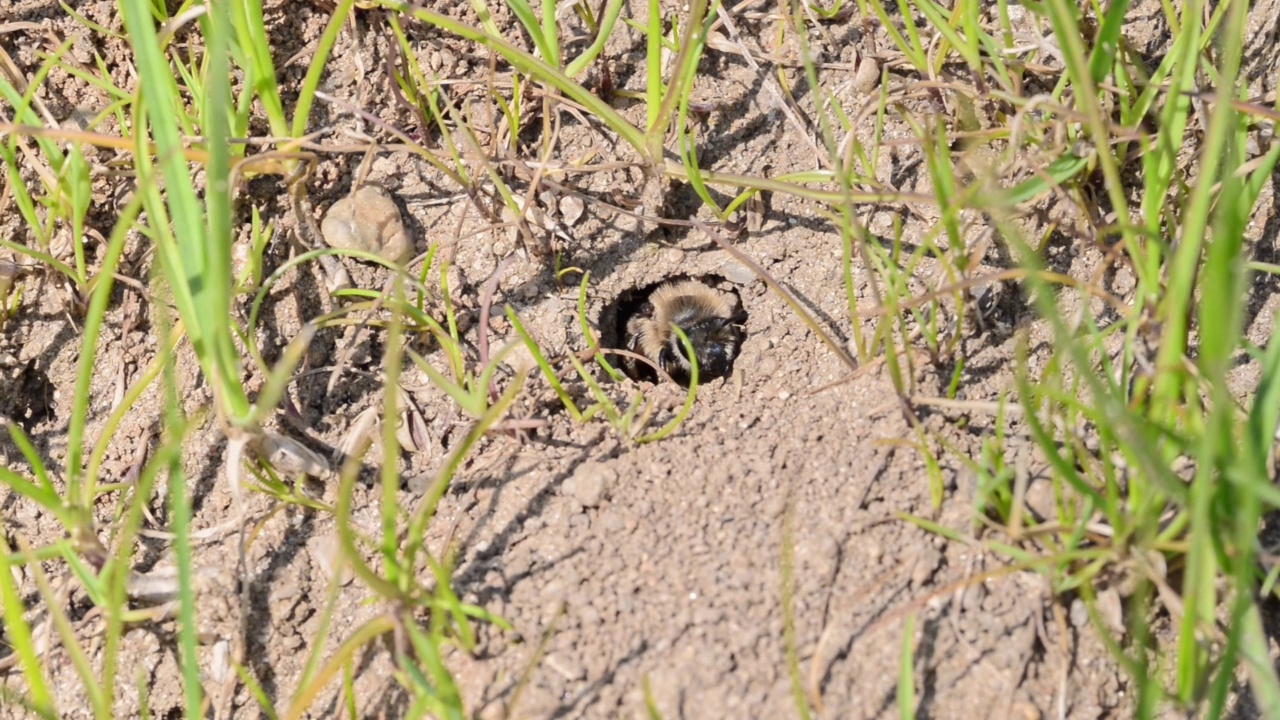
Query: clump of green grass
(1114, 421)
(190, 224)
(1207, 528)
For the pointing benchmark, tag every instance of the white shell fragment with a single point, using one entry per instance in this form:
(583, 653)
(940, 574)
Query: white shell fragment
(534, 216)
(411, 430)
(369, 220)
(362, 435)
(737, 273)
(519, 359)
(290, 457)
(161, 584)
(571, 209)
(326, 555)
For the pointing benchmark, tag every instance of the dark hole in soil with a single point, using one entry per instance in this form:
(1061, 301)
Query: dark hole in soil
(635, 302)
(31, 401)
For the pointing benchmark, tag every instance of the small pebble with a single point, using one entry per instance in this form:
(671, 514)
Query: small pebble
(567, 668)
(1040, 499)
(737, 273)
(368, 220)
(284, 590)
(1024, 710)
(326, 550)
(1124, 281)
(241, 254)
(588, 617)
(707, 615)
(571, 209)
(767, 367)
(220, 667)
(866, 76)
(591, 483)
(448, 59)
(1111, 608)
(289, 456)
(973, 598)
(418, 484)
(612, 520)
(465, 320)
(520, 359)
(926, 564)
(1079, 614)
(554, 590)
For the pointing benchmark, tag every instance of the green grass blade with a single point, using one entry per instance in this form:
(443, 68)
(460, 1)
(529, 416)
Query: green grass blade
(906, 671)
(274, 387)
(251, 36)
(180, 512)
(653, 64)
(1108, 41)
(1262, 672)
(57, 614)
(185, 251)
(388, 475)
(524, 13)
(447, 700)
(33, 458)
(18, 638)
(592, 340)
(547, 371)
(360, 638)
(550, 33)
(427, 506)
(310, 83)
(790, 643)
(214, 292)
(78, 188)
(689, 398)
(103, 284)
(27, 209)
(611, 13)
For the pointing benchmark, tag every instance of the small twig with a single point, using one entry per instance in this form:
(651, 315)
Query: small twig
(634, 356)
(215, 533)
(486, 301)
(980, 406)
(519, 424)
(1060, 620)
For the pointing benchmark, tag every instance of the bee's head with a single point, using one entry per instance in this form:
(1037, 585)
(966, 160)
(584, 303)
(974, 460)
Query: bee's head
(715, 344)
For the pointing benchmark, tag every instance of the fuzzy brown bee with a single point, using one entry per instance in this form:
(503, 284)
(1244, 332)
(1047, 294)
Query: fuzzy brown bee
(705, 316)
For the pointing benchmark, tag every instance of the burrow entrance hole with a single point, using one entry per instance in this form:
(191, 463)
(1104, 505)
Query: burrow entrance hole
(635, 302)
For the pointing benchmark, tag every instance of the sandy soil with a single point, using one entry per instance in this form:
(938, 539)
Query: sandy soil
(661, 563)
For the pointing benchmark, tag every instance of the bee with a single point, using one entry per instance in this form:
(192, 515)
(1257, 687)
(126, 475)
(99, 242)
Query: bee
(705, 316)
